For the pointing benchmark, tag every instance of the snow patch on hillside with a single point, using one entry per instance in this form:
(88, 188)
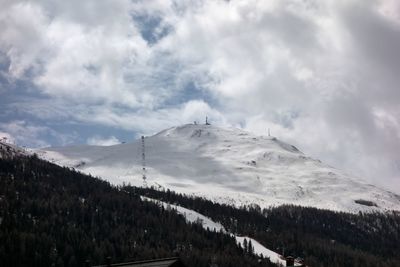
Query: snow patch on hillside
(190, 215)
(208, 224)
(261, 250)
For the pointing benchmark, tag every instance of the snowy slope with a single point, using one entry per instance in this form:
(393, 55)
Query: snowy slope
(190, 215)
(227, 165)
(208, 224)
(261, 250)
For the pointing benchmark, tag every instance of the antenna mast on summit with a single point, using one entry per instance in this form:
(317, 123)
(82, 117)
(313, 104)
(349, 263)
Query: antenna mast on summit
(144, 163)
(269, 133)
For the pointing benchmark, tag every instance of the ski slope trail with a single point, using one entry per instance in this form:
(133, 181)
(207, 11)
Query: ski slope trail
(227, 165)
(209, 225)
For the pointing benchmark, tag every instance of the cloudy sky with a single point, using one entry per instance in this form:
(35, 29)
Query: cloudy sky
(323, 75)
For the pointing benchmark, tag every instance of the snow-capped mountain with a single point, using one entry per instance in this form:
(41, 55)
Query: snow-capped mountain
(229, 166)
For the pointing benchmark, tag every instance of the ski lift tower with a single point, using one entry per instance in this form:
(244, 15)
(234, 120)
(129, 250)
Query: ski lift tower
(144, 163)
(207, 123)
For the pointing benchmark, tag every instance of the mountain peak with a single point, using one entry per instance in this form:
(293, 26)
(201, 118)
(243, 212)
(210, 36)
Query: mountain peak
(227, 165)
(191, 130)
(212, 133)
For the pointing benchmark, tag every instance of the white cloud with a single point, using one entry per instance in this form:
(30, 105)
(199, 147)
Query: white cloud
(93, 53)
(103, 141)
(21, 36)
(28, 134)
(313, 71)
(151, 121)
(321, 74)
(22, 132)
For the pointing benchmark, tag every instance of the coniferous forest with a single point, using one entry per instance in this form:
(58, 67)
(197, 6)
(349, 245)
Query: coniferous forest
(321, 237)
(55, 216)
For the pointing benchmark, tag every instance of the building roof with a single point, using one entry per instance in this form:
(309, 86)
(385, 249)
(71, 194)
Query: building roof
(168, 262)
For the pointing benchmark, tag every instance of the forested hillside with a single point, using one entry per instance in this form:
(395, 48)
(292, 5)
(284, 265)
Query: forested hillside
(54, 216)
(321, 237)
